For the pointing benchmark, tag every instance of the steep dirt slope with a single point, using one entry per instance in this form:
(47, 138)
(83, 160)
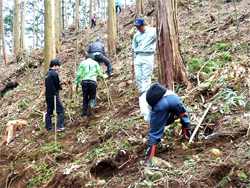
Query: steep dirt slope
(108, 146)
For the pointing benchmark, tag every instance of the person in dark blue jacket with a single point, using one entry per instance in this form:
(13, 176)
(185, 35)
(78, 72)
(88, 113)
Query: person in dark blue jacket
(98, 50)
(159, 105)
(53, 86)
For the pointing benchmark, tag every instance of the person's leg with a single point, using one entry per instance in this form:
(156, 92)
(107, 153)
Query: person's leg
(60, 111)
(158, 121)
(120, 8)
(50, 108)
(116, 7)
(107, 62)
(94, 24)
(85, 98)
(92, 94)
(147, 70)
(138, 72)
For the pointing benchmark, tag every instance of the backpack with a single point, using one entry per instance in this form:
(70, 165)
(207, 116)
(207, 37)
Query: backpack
(155, 93)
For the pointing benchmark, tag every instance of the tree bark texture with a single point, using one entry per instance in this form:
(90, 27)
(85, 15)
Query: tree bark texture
(60, 18)
(5, 55)
(66, 14)
(77, 15)
(90, 12)
(34, 20)
(112, 31)
(57, 43)
(171, 66)
(85, 18)
(49, 51)
(105, 9)
(139, 9)
(16, 30)
(23, 26)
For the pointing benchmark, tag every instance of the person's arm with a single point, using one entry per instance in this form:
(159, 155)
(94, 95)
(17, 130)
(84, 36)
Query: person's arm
(57, 81)
(134, 46)
(103, 50)
(89, 49)
(79, 74)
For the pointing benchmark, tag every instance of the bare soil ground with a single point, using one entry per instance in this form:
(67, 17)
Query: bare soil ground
(108, 146)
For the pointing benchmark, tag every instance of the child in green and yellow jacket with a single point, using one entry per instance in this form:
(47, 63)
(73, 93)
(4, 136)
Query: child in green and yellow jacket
(88, 71)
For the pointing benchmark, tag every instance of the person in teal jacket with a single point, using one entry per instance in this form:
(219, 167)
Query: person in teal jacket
(88, 71)
(117, 5)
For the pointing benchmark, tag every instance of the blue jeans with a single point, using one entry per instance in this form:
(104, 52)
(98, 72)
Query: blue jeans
(59, 110)
(170, 104)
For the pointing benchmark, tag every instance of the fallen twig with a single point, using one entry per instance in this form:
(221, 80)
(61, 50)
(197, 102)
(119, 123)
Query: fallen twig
(124, 163)
(197, 127)
(22, 150)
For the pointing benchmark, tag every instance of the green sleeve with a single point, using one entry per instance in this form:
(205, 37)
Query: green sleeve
(98, 70)
(79, 73)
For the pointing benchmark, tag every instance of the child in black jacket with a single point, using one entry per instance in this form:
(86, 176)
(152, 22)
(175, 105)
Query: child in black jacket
(52, 85)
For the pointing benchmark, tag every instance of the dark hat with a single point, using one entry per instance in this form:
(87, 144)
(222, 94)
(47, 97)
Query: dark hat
(98, 40)
(139, 21)
(89, 56)
(155, 93)
(54, 62)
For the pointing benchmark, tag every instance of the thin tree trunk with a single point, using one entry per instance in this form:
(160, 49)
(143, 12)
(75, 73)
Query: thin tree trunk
(23, 26)
(60, 18)
(96, 15)
(63, 14)
(57, 43)
(77, 15)
(90, 12)
(102, 8)
(85, 14)
(5, 55)
(34, 19)
(171, 67)
(112, 31)
(66, 14)
(49, 51)
(105, 9)
(16, 31)
(139, 8)
(1, 28)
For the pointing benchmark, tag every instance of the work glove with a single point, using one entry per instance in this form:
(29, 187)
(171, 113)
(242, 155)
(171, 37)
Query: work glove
(170, 119)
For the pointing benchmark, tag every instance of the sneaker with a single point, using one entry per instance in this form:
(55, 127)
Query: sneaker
(84, 116)
(60, 129)
(89, 111)
(48, 130)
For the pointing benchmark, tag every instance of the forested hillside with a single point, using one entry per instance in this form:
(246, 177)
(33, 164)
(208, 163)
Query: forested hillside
(105, 150)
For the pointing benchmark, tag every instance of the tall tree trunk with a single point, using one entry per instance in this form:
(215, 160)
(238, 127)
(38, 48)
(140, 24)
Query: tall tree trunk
(96, 14)
(0, 27)
(112, 31)
(139, 8)
(77, 15)
(5, 55)
(102, 8)
(60, 18)
(66, 14)
(125, 4)
(63, 14)
(90, 12)
(23, 27)
(34, 19)
(105, 9)
(57, 43)
(49, 51)
(171, 67)
(16, 31)
(85, 19)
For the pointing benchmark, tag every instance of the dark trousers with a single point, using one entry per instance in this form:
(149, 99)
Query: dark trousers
(101, 58)
(89, 93)
(170, 104)
(116, 7)
(59, 110)
(93, 24)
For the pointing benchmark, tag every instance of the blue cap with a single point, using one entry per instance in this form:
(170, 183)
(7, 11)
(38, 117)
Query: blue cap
(139, 21)
(98, 40)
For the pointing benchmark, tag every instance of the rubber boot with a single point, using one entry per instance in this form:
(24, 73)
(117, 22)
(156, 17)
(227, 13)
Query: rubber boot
(186, 132)
(90, 106)
(150, 153)
(110, 72)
